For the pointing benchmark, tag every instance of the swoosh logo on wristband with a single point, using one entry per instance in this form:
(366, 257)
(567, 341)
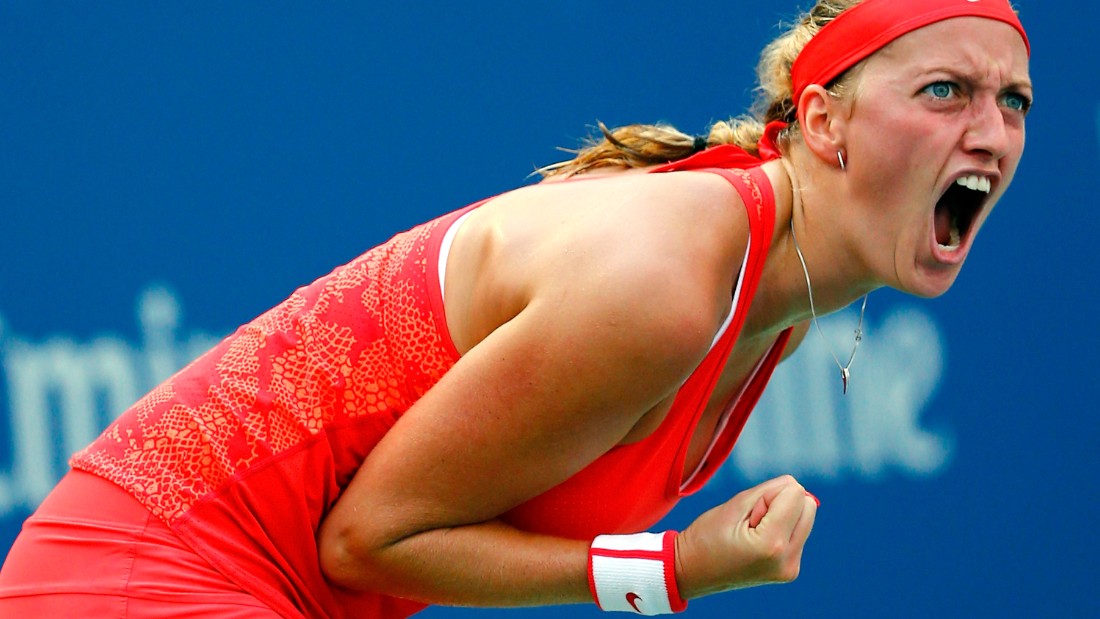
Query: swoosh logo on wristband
(632, 598)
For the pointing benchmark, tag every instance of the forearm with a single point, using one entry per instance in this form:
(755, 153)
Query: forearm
(487, 564)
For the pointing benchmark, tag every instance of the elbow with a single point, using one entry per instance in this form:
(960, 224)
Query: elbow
(345, 560)
(336, 557)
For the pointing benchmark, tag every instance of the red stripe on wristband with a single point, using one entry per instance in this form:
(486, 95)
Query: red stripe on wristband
(657, 555)
(635, 573)
(592, 580)
(675, 601)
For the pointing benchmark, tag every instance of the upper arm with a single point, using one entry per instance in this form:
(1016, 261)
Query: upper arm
(601, 325)
(538, 399)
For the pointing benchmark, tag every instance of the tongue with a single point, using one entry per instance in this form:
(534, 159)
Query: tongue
(943, 225)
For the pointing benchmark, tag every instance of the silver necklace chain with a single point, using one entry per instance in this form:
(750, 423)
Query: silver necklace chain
(845, 374)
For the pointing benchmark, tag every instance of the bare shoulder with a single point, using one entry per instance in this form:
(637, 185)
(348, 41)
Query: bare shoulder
(658, 251)
(578, 308)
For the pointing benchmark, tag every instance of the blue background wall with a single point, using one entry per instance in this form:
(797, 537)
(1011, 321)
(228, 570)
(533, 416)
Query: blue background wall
(168, 171)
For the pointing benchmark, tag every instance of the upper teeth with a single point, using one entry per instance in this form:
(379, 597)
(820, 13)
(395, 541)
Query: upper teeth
(975, 182)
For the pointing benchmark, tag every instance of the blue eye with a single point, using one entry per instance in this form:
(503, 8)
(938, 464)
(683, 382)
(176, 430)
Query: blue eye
(940, 90)
(1017, 102)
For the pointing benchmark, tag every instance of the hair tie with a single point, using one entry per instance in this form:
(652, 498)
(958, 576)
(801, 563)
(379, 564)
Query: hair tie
(700, 143)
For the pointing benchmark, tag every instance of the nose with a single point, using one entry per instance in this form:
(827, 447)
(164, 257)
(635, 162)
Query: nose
(987, 133)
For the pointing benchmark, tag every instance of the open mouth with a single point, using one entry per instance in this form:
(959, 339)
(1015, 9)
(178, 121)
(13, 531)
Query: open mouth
(958, 209)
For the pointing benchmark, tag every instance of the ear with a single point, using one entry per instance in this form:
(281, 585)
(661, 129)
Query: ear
(823, 120)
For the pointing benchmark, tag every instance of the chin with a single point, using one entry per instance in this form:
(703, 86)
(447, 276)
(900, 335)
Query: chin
(930, 283)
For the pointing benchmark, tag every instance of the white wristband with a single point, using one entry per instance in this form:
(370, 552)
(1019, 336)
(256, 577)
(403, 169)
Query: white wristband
(635, 573)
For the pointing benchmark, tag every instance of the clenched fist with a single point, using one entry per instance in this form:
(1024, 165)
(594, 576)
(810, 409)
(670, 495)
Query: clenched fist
(755, 538)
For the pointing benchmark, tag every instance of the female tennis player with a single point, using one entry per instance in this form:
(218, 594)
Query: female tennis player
(495, 407)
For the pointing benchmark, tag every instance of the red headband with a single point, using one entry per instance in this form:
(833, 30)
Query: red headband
(868, 26)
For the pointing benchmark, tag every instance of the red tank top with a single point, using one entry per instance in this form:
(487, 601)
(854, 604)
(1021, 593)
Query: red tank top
(243, 452)
(631, 487)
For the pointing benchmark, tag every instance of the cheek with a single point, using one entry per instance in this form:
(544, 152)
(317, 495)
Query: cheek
(890, 165)
(893, 140)
(1018, 138)
(900, 154)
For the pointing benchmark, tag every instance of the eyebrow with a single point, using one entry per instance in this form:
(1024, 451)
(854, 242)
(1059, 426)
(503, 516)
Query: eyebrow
(1020, 84)
(1013, 83)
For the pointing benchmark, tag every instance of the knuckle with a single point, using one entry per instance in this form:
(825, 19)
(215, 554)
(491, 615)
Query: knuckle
(790, 572)
(789, 481)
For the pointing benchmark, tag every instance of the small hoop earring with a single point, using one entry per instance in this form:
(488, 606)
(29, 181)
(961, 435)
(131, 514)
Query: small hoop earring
(840, 157)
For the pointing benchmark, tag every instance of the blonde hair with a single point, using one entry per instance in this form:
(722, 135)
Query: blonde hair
(641, 145)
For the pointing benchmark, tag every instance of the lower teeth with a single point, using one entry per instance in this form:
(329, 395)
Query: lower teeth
(955, 237)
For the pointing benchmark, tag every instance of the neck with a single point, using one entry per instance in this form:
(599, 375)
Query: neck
(837, 280)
